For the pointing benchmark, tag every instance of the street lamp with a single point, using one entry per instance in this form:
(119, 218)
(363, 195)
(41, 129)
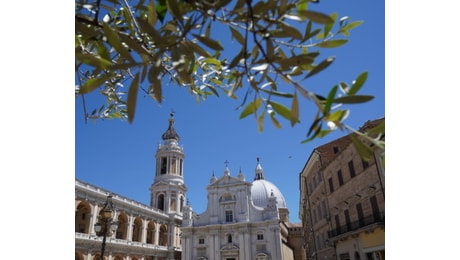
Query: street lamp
(104, 220)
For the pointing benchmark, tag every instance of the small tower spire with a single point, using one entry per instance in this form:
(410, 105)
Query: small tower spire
(227, 170)
(259, 171)
(171, 132)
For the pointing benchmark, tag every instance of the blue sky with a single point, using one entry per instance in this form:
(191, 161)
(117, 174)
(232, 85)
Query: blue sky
(42, 138)
(119, 156)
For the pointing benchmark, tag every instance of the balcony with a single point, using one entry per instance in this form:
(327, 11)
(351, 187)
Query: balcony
(377, 220)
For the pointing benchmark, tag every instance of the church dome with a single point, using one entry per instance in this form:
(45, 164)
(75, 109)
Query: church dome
(262, 189)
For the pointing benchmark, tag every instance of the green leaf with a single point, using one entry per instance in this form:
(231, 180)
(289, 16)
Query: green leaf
(309, 34)
(196, 48)
(147, 28)
(92, 84)
(353, 99)
(93, 60)
(329, 100)
(236, 60)
(363, 149)
(379, 129)
(358, 83)
(293, 32)
(132, 44)
(132, 98)
(221, 3)
(332, 43)
(277, 93)
(328, 27)
(157, 90)
(316, 17)
(237, 36)
(350, 26)
(280, 109)
(324, 64)
(114, 40)
(275, 121)
(251, 108)
(316, 125)
(209, 42)
(299, 60)
(294, 111)
(338, 115)
(161, 9)
(151, 13)
(260, 122)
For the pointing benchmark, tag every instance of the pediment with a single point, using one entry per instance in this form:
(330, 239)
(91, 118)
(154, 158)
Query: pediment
(227, 180)
(229, 249)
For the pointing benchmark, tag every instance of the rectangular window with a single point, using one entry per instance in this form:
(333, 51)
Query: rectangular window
(260, 236)
(201, 241)
(228, 216)
(172, 167)
(339, 175)
(337, 223)
(375, 208)
(163, 165)
(331, 185)
(347, 219)
(323, 203)
(351, 167)
(336, 149)
(359, 210)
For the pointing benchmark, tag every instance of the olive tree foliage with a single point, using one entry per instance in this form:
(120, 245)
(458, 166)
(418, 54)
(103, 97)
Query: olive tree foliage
(123, 47)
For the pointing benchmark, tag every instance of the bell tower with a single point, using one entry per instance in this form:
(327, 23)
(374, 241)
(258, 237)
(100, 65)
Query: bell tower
(167, 193)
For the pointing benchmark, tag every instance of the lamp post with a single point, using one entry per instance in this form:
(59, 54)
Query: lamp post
(105, 224)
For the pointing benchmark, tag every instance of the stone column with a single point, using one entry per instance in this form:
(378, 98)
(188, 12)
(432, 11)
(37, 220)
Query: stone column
(144, 231)
(130, 228)
(157, 234)
(93, 220)
(168, 201)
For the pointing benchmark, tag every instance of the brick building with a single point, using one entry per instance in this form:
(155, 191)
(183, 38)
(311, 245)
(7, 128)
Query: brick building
(342, 201)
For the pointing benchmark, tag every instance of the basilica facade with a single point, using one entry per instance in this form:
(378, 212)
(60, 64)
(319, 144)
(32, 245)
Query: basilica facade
(243, 220)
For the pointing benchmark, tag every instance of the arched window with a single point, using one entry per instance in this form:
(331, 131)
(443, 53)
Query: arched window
(82, 218)
(163, 237)
(261, 257)
(151, 233)
(122, 230)
(260, 235)
(137, 230)
(161, 202)
(78, 256)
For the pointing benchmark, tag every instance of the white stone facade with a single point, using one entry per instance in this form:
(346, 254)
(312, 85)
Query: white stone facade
(233, 227)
